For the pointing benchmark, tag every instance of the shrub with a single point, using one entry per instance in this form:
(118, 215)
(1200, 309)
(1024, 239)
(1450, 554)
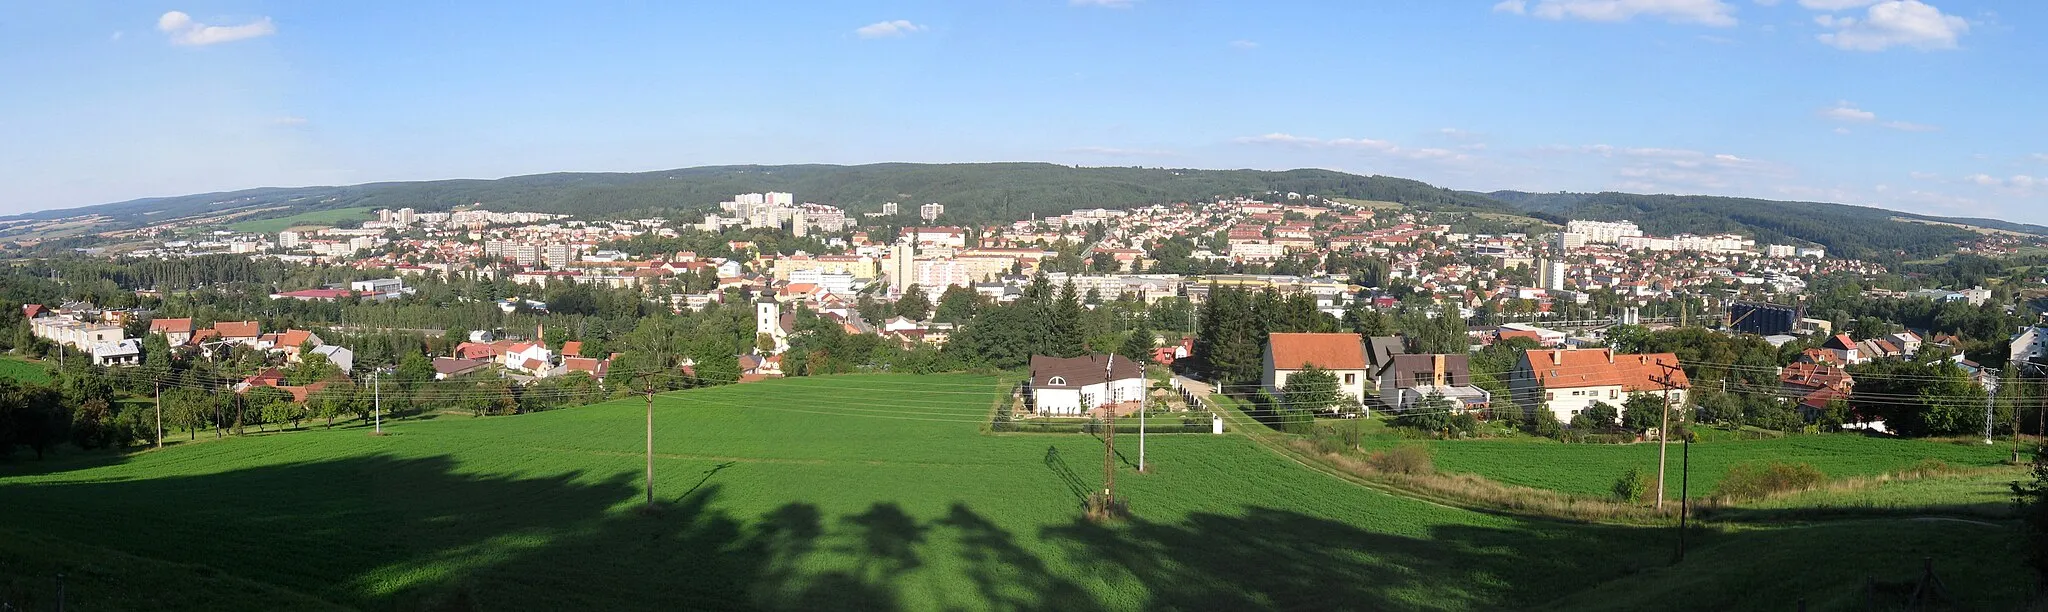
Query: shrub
(1630, 487)
(1755, 479)
(2032, 498)
(1410, 459)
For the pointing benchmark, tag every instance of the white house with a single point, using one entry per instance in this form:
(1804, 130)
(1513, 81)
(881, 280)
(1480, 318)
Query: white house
(1075, 385)
(1341, 355)
(530, 358)
(1570, 381)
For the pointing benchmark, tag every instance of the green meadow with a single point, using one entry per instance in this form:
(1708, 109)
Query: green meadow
(322, 218)
(1591, 469)
(850, 492)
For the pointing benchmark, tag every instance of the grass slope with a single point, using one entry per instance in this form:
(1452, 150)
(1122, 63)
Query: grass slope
(855, 492)
(26, 371)
(323, 218)
(802, 493)
(1591, 469)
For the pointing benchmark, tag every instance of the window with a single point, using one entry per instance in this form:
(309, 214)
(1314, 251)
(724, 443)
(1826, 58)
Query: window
(1056, 381)
(1610, 394)
(1350, 378)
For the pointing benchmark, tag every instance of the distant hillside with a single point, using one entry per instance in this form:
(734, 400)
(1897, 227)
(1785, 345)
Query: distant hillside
(1853, 231)
(971, 192)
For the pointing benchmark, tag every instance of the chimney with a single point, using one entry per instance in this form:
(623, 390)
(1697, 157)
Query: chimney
(1610, 356)
(1438, 376)
(1556, 357)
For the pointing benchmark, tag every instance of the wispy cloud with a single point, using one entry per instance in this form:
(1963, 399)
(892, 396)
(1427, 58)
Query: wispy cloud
(888, 29)
(1104, 3)
(1846, 111)
(184, 31)
(1887, 24)
(1908, 126)
(289, 121)
(1717, 13)
(1243, 45)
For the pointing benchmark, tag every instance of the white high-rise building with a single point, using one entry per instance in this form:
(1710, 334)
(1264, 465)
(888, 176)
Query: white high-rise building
(891, 209)
(931, 212)
(1603, 232)
(1567, 241)
(1552, 272)
(290, 239)
(777, 198)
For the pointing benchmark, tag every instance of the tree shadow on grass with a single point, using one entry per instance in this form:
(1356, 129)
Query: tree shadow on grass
(385, 533)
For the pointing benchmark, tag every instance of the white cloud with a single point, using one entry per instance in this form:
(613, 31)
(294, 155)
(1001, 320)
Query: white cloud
(1894, 23)
(1104, 3)
(184, 31)
(1767, 2)
(117, 36)
(2039, 157)
(289, 121)
(1845, 111)
(1717, 13)
(1245, 45)
(1923, 176)
(1836, 5)
(1842, 130)
(2018, 184)
(1654, 169)
(888, 29)
(1908, 126)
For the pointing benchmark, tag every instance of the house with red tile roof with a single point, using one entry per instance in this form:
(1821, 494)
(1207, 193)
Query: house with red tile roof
(176, 332)
(1568, 381)
(1341, 355)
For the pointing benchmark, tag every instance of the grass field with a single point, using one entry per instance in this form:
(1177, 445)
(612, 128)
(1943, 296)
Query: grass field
(1591, 469)
(23, 370)
(316, 218)
(857, 492)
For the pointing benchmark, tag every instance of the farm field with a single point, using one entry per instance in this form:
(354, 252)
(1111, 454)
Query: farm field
(22, 370)
(321, 218)
(850, 492)
(1590, 469)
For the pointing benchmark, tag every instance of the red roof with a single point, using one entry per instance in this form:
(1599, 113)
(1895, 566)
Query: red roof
(171, 326)
(572, 349)
(1568, 369)
(33, 310)
(238, 329)
(1326, 351)
(292, 338)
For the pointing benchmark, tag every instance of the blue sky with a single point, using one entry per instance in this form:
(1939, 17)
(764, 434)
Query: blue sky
(1924, 105)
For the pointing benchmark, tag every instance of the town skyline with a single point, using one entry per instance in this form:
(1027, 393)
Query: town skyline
(1898, 104)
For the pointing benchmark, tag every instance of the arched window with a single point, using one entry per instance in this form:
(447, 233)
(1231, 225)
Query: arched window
(1057, 381)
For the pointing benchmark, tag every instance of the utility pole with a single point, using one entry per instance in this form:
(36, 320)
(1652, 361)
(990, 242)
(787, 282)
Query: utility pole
(1664, 431)
(650, 442)
(159, 414)
(1684, 486)
(1990, 404)
(1109, 441)
(1141, 431)
(377, 401)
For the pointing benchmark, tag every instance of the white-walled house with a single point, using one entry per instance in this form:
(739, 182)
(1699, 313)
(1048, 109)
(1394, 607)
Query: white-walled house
(530, 358)
(1341, 355)
(1570, 381)
(1075, 385)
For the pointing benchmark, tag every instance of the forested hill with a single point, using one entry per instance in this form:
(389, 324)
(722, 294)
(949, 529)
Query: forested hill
(1851, 231)
(971, 192)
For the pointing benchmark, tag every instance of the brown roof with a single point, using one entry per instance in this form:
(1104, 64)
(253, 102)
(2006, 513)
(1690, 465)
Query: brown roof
(171, 326)
(238, 329)
(1326, 351)
(1407, 369)
(572, 348)
(1077, 372)
(452, 366)
(1567, 369)
(292, 338)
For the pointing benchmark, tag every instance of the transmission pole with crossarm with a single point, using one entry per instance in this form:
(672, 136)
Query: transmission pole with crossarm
(1664, 431)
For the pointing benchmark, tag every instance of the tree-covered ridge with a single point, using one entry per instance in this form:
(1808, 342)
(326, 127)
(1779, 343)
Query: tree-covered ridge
(971, 192)
(1849, 231)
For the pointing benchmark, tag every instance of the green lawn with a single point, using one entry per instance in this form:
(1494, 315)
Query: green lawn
(854, 492)
(22, 370)
(327, 217)
(1591, 469)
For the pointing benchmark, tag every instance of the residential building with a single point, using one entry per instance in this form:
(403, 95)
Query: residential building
(1077, 385)
(1569, 381)
(1340, 355)
(1408, 379)
(931, 212)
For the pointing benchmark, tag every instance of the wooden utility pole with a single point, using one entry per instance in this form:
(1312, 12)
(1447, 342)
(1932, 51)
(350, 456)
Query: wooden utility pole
(1664, 431)
(159, 414)
(650, 442)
